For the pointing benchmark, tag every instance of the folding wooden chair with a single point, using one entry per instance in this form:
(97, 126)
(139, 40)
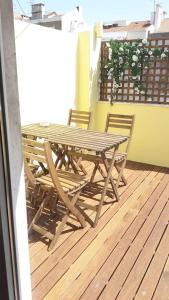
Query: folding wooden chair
(65, 185)
(79, 118)
(123, 123)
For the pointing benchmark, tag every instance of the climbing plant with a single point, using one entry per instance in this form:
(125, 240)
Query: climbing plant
(133, 56)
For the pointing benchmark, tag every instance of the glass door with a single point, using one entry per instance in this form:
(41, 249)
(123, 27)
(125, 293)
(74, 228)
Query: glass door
(14, 253)
(8, 274)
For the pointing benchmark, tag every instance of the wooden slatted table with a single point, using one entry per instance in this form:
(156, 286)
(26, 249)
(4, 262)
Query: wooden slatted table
(78, 138)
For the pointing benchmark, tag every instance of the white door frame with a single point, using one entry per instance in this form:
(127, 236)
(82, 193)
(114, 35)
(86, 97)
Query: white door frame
(14, 199)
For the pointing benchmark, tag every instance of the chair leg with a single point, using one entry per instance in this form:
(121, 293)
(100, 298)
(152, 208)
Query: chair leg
(59, 156)
(62, 162)
(76, 164)
(101, 172)
(120, 173)
(76, 212)
(39, 212)
(79, 164)
(58, 232)
(63, 223)
(94, 172)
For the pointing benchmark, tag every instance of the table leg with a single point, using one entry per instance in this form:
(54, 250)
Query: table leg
(108, 178)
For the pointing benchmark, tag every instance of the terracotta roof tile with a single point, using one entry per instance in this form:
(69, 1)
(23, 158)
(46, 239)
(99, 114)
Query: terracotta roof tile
(51, 14)
(133, 26)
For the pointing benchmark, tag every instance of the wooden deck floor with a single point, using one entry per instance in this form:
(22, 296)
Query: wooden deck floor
(125, 257)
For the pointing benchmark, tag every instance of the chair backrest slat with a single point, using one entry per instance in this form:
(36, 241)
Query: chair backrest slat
(115, 125)
(79, 112)
(125, 122)
(79, 120)
(31, 142)
(80, 117)
(35, 157)
(119, 121)
(34, 150)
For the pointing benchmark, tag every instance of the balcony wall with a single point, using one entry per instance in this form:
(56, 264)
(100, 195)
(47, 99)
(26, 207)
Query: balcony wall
(46, 66)
(61, 70)
(150, 142)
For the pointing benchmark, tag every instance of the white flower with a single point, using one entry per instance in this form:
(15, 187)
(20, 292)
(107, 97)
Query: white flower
(133, 64)
(134, 77)
(140, 44)
(163, 55)
(110, 53)
(144, 41)
(105, 66)
(110, 73)
(142, 92)
(150, 52)
(120, 60)
(136, 90)
(166, 50)
(135, 58)
(116, 85)
(121, 49)
(138, 51)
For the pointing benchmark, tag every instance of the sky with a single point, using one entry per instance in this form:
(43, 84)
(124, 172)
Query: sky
(97, 10)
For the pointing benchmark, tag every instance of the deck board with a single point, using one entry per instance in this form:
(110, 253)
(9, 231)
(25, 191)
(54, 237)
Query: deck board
(124, 257)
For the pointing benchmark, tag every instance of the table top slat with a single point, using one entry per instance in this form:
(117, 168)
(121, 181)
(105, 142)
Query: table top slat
(74, 136)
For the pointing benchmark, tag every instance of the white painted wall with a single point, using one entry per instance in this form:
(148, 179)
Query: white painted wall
(46, 66)
(131, 35)
(73, 20)
(119, 35)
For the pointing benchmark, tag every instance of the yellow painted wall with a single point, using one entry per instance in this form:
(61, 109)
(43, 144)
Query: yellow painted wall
(150, 142)
(83, 71)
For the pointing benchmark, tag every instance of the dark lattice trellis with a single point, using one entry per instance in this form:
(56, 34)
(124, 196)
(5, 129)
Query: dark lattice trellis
(155, 79)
